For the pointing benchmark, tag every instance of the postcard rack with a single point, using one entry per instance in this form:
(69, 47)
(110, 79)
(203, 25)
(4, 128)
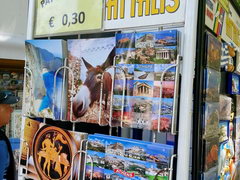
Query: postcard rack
(83, 153)
(114, 67)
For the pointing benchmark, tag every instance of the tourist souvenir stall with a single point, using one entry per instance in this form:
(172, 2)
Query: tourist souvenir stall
(215, 133)
(108, 89)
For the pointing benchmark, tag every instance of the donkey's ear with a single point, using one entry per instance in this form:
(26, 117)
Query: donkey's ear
(109, 60)
(88, 66)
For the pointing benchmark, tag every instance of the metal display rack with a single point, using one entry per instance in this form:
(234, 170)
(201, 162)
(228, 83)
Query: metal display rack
(181, 123)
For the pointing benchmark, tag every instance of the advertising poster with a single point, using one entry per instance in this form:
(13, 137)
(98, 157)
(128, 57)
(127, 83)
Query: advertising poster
(88, 59)
(61, 17)
(47, 151)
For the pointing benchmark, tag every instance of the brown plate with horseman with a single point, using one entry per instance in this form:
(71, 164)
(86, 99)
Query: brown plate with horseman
(53, 149)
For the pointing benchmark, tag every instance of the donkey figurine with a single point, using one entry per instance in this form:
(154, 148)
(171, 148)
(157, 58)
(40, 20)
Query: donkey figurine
(90, 90)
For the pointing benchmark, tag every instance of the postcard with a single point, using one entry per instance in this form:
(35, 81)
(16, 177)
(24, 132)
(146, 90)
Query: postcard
(164, 122)
(143, 88)
(211, 119)
(237, 105)
(166, 55)
(237, 128)
(155, 105)
(141, 121)
(223, 130)
(136, 149)
(145, 55)
(96, 144)
(44, 58)
(144, 72)
(110, 174)
(212, 85)
(125, 40)
(233, 84)
(128, 71)
(169, 74)
(125, 56)
(211, 153)
(145, 39)
(166, 38)
(213, 52)
(98, 159)
(237, 150)
(167, 106)
(225, 104)
(142, 112)
(118, 87)
(211, 174)
(88, 59)
(168, 89)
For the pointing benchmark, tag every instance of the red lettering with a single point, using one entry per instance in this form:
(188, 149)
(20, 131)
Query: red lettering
(130, 175)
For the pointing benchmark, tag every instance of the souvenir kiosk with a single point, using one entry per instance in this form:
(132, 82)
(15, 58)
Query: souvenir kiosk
(108, 90)
(216, 92)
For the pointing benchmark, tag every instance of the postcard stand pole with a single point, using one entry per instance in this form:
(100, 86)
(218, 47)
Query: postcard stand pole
(80, 152)
(82, 145)
(173, 124)
(63, 85)
(111, 100)
(28, 151)
(54, 92)
(25, 84)
(175, 102)
(171, 166)
(170, 169)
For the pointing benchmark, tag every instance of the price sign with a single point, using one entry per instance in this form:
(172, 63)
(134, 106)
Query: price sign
(64, 16)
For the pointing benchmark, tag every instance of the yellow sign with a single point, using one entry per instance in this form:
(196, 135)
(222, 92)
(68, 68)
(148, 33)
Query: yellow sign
(232, 31)
(133, 13)
(64, 16)
(225, 4)
(229, 31)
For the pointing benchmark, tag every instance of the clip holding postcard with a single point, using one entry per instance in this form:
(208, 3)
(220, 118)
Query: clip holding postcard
(174, 117)
(62, 94)
(169, 170)
(80, 152)
(171, 166)
(111, 98)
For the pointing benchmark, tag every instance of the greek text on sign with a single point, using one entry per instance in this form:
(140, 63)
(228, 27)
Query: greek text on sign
(135, 13)
(55, 17)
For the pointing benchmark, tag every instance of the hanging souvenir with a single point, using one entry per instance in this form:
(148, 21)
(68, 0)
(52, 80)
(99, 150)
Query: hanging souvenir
(233, 83)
